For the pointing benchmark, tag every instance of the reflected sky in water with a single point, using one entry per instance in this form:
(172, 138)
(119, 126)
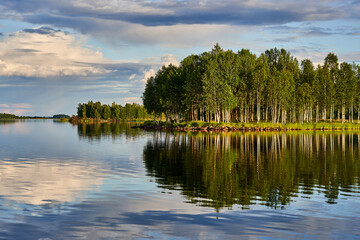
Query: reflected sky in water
(109, 181)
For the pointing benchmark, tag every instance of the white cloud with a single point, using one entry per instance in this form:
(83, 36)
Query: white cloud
(132, 100)
(116, 6)
(4, 106)
(16, 108)
(146, 75)
(132, 76)
(180, 35)
(169, 59)
(48, 53)
(353, 56)
(21, 105)
(166, 60)
(17, 112)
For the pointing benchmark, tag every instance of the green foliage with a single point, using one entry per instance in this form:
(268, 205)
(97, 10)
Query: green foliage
(261, 125)
(224, 86)
(115, 112)
(64, 119)
(8, 116)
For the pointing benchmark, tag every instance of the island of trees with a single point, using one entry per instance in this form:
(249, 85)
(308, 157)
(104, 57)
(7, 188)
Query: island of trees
(227, 86)
(98, 111)
(59, 116)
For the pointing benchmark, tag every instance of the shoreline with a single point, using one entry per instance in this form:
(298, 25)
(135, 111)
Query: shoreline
(198, 126)
(250, 127)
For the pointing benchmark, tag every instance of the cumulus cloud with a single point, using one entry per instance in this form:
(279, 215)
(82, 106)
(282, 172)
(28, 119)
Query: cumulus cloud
(153, 66)
(140, 80)
(45, 52)
(32, 55)
(147, 74)
(169, 59)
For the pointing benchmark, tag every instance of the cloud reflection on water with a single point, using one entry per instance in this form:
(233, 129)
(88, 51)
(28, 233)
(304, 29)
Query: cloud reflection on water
(44, 181)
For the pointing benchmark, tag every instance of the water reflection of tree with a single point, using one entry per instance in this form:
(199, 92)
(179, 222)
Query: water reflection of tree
(9, 121)
(220, 170)
(107, 130)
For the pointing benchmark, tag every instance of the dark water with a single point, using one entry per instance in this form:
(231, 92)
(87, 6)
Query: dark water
(59, 181)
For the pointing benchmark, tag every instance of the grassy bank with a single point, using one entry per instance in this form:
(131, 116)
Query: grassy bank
(262, 126)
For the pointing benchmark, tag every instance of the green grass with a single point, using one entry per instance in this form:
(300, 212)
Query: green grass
(262, 125)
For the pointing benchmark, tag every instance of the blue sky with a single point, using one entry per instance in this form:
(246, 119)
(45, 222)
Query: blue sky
(56, 54)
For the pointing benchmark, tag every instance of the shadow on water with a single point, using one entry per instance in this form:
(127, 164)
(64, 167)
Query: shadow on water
(220, 170)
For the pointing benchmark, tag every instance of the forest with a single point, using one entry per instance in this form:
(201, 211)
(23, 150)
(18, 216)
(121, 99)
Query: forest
(116, 112)
(226, 86)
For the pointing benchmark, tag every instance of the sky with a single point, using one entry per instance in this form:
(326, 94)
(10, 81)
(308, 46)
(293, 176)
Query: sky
(55, 54)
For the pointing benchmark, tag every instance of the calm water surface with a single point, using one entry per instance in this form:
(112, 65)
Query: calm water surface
(59, 181)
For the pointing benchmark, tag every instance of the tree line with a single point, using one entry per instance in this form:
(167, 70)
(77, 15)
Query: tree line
(8, 116)
(115, 111)
(225, 86)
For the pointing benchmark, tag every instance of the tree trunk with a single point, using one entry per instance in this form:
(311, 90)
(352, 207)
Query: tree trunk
(245, 114)
(317, 113)
(266, 113)
(241, 115)
(192, 113)
(331, 112)
(252, 110)
(273, 114)
(258, 107)
(352, 111)
(343, 113)
(279, 111)
(294, 114)
(283, 116)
